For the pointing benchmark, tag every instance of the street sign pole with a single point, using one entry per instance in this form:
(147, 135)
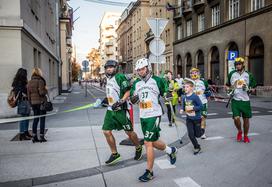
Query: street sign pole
(85, 64)
(157, 46)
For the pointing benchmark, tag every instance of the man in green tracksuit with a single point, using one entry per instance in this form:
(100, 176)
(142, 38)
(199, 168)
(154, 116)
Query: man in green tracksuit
(146, 91)
(241, 83)
(116, 118)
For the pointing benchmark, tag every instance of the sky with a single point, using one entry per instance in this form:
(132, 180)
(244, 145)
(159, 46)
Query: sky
(86, 28)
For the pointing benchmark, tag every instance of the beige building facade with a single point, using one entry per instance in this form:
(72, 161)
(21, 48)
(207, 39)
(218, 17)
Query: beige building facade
(158, 10)
(29, 37)
(66, 48)
(108, 38)
(131, 33)
(206, 30)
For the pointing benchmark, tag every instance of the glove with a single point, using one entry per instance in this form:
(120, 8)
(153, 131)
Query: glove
(118, 105)
(245, 88)
(105, 102)
(134, 99)
(168, 96)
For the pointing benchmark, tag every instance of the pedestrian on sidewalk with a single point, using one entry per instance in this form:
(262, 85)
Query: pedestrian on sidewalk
(192, 105)
(146, 91)
(240, 84)
(19, 86)
(173, 88)
(117, 90)
(37, 92)
(202, 90)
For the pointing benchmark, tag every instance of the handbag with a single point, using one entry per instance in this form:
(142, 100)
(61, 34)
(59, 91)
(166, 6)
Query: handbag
(12, 99)
(23, 107)
(47, 105)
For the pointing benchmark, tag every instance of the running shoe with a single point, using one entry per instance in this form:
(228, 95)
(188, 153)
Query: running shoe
(147, 176)
(173, 155)
(197, 151)
(239, 136)
(246, 139)
(138, 153)
(114, 158)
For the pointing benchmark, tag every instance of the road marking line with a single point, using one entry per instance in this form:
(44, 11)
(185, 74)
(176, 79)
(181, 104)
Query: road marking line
(57, 101)
(253, 134)
(214, 138)
(65, 94)
(255, 112)
(76, 92)
(270, 111)
(164, 164)
(183, 116)
(230, 113)
(186, 182)
(212, 114)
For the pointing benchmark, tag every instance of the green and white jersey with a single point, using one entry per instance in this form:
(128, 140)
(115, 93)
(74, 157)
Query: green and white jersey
(237, 80)
(149, 93)
(201, 86)
(116, 87)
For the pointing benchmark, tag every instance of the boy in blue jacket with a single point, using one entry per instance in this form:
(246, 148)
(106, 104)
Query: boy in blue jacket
(192, 105)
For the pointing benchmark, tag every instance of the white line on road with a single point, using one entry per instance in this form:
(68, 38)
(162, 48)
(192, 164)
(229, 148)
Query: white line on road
(253, 134)
(212, 114)
(230, 113)
(270, 111)
(164, 164)
(186, 182)
(255, 112)
(215, 138)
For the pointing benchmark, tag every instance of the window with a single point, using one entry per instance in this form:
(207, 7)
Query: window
(201, 22)
(215, 15)
(179, 32)
(256, 4)
(189, 28)
(234, 9)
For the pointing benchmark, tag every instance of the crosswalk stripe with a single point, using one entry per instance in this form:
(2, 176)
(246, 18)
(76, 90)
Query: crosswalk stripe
(186, 182)
(255, 112)
(270, 111)
(253, 134)
(215, 138)
(230, 113)
(212, 114)
(164, 164)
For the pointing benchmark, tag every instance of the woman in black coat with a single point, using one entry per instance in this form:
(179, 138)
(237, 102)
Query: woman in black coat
(19, 85)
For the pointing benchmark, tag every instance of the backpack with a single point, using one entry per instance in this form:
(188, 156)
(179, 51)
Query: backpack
(12, 99)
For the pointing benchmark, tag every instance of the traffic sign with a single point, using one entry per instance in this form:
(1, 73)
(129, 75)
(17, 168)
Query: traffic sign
(157, 46)
(86, 69)
(157, 59)
(157, 25)
(232, 55)
(85, 63)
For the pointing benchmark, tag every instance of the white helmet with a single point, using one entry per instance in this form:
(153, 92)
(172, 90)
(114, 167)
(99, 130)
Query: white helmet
(142, 62)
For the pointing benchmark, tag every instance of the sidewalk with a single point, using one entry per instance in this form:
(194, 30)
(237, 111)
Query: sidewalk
(76, 147)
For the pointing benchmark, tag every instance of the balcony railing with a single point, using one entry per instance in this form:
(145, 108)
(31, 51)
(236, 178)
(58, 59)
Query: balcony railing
(187, 6)
(198, 3)
(149, 36)
(109, 43)
(178, 12)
